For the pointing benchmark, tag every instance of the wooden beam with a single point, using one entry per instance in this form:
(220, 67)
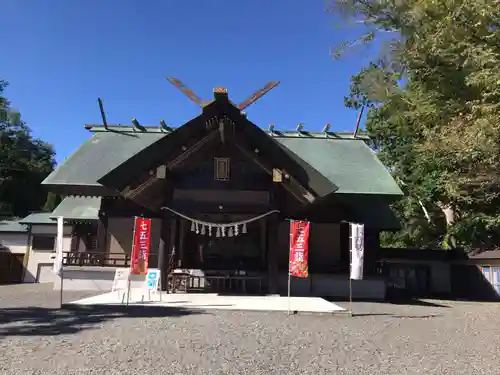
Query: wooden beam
(289, 182)
(257, 95)
(181, 158)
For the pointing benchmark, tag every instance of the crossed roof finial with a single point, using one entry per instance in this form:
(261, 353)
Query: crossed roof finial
(222, 90)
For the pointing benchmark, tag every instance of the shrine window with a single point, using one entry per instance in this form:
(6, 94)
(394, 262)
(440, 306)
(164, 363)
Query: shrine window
(221, 169)
(43, 243)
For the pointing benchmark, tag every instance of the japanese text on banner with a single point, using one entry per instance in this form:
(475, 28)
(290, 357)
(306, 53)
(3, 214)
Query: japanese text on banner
(299, 248)
(140, 250)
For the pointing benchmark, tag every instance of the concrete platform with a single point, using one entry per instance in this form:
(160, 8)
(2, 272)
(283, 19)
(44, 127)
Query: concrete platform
(214, 301)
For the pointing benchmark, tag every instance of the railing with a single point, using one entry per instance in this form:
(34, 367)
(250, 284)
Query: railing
(101, 259)
(246, 284)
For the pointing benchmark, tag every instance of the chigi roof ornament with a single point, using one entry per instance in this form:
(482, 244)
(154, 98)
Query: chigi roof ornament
(221, 91)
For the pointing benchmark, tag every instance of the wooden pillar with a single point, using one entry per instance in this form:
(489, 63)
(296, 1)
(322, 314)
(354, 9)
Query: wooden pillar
(172, 251)
(263, 243)
(102, 232)
(182, 232)
(272, 260)
(372, 245)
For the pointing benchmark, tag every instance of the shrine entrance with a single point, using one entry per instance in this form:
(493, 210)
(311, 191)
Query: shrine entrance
(222, 253)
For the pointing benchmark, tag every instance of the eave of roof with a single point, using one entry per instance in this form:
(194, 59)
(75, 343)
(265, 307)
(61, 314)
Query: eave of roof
(7, 226)
(78, 208)
(346, 161)
(98, 155)
(41, 218)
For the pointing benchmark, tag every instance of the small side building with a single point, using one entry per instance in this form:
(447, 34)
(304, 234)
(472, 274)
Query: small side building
(27, 248)
(39, 259)
(13, 246)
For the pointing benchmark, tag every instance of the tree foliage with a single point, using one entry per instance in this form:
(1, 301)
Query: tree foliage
(24, 162)
(434, 99)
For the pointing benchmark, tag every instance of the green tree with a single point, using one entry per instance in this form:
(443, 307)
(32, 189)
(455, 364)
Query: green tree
(434, 98)
(51, 202)
(24, 162)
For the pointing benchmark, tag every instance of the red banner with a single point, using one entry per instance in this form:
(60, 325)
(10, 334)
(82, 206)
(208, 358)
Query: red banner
(299, 248)
(140, 246)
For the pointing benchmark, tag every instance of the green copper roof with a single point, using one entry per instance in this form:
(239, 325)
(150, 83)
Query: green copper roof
(98, 155)
(7, 226)
(78, 208)
(347, 162)
(38, 218)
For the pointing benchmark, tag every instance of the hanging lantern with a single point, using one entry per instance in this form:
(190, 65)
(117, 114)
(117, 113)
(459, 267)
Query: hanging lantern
(192, 226)
(217, 234)
(244, 228)
(230, 232)
(197, 229)
(210, 230)
(223, 231)
(203, 229)
(236, 230)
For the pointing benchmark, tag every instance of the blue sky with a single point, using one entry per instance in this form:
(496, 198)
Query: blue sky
(60, 55)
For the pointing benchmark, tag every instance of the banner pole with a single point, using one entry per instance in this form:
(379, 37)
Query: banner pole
(128, 289)
(350, 296)
(62, 283)
(289, 274)
(160, 287)
(351, 236)
(131, 261)
(289, 279)
(59, 258)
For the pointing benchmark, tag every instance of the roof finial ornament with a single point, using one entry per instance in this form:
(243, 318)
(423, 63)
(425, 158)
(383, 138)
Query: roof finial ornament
(103, 115)
(164, 126)
(222, 92)
(137, 125)
(358, 121)
(190, 94)
(257, 95)
(299, 128)
(326, 129)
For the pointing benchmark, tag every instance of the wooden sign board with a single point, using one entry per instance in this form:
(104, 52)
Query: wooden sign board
(277, 175)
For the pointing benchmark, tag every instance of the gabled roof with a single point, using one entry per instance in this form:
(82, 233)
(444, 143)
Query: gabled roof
(97, 156)
(41, 218)
(347, 162)
(7, 226)
(78, 208)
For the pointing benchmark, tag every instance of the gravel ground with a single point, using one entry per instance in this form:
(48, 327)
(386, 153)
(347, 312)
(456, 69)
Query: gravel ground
(432, 337)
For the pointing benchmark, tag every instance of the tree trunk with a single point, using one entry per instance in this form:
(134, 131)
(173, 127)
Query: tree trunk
(449, 216)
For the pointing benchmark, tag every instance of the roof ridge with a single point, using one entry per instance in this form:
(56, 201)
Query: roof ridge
(291, 133)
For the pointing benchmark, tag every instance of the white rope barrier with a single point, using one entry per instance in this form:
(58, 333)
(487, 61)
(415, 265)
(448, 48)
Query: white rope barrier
(220, 225)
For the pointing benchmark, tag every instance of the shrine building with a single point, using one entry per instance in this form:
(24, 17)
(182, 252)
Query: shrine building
(220, 191)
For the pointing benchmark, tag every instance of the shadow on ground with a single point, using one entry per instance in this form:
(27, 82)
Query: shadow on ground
(415, 302)
(396, 316)
(393, 301)
(35, 321)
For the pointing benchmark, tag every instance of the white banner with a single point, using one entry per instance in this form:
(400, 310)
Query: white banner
(59, 246)
(357, 245)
